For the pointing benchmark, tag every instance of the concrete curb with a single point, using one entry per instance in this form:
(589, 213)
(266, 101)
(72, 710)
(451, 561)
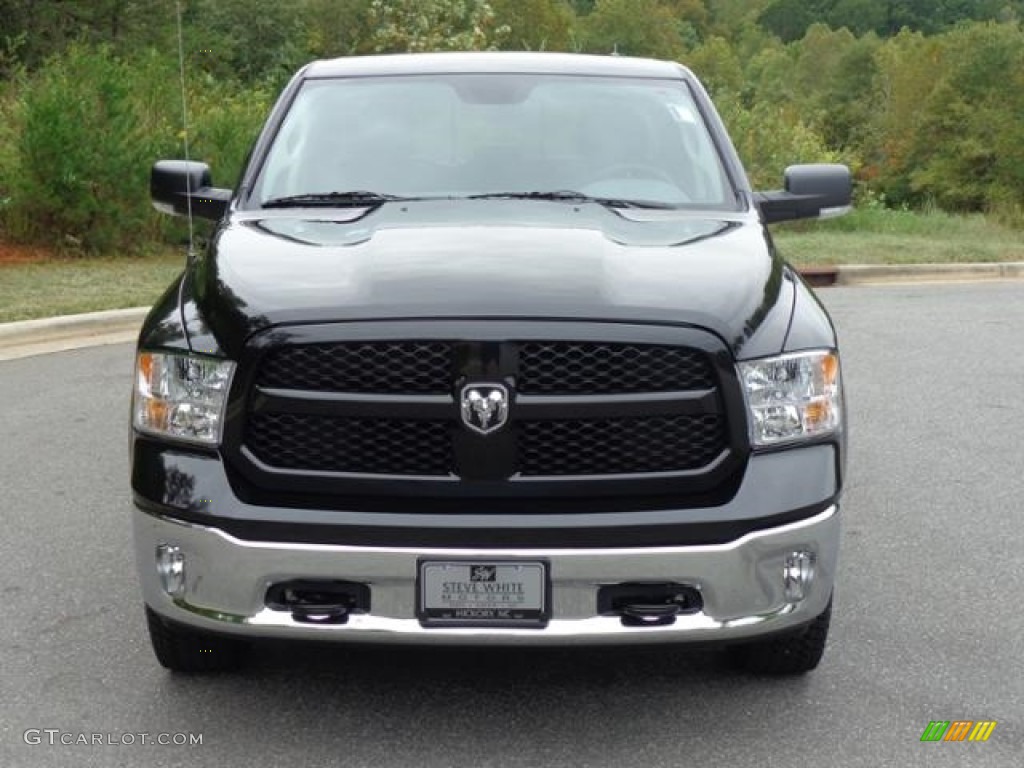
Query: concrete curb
(32, 337)
(27, 338)
(64, 326)
(861, 274)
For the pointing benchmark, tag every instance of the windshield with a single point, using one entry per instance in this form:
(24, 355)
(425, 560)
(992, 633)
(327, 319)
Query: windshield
(542, 136)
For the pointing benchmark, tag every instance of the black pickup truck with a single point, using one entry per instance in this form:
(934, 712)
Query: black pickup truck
(490, 348)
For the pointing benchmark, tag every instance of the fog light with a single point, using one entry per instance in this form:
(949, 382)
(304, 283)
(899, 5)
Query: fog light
(797, 574)
(170, 566)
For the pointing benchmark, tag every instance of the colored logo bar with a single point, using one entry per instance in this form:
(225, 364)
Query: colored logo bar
(958, 730)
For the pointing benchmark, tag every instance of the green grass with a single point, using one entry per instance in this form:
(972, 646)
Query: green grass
(68, 286)
(878, 236)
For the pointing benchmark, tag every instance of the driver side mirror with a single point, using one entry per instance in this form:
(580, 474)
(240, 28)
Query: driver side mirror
(178, 186)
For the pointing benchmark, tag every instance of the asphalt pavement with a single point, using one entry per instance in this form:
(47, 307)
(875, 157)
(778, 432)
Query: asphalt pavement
(925, 627)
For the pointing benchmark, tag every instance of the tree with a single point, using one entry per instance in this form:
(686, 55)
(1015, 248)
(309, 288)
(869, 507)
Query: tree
(246, 39)
(789, 19)
(907, 67)
(850, 97)
(338, 27)
(858, 16)
(770, 137)
(717, 65)
(969, 154)
(633, 28)
(691, 12)
(434, 25)
(36, 29)
(534, 25)
(727, 16)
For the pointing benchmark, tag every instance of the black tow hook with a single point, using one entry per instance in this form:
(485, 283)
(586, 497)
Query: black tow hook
(328, 613)
(313, 601)
(648, 604)
(648, 615)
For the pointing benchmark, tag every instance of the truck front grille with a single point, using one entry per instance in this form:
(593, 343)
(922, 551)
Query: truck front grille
(386, 367)
(589, 368)
(429, 367)
(579, 408)
(360, 446)
(619, 446)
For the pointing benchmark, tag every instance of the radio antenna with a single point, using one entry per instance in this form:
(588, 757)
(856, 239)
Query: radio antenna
(184, 133)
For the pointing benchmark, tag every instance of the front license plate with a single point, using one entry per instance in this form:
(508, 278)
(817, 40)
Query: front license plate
(477, 593)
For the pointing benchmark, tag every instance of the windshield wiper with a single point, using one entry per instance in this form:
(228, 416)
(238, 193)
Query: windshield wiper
(333, 199)
(572, 196)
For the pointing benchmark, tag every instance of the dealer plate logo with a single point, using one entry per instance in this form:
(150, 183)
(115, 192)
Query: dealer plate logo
(484, 407)
(483, 573)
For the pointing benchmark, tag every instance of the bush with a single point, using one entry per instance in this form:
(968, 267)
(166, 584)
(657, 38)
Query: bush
(82, 151)
(969, 154)
(82, 135)
(769, 137)
(224, 119)
(9, 167)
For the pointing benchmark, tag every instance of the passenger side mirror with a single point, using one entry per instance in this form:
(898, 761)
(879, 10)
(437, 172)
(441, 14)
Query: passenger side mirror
(811, 191)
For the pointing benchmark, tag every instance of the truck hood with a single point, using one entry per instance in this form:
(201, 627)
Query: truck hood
(492, 259)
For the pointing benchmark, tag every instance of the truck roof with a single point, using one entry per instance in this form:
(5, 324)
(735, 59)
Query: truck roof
(495, 62)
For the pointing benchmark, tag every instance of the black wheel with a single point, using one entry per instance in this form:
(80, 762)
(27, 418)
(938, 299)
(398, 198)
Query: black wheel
(183, 649)
(793, 653)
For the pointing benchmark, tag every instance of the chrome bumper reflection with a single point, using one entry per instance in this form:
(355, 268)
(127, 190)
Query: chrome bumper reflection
(741, 583)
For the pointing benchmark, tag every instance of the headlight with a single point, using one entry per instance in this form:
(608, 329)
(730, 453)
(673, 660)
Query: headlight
(181, 396)
(792, 397)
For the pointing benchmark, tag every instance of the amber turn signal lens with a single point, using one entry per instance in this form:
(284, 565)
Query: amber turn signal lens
(830, 368)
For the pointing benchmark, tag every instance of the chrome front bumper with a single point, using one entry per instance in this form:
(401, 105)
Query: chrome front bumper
(741, 583)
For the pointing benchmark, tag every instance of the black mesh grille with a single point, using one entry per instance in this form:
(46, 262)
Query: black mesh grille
(331, 444)
(619, 446)
(544, 367)
(400, 367)
(562, 368)
(591, 440)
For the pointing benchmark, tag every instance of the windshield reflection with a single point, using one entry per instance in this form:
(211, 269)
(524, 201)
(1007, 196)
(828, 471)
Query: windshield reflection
(454, 136)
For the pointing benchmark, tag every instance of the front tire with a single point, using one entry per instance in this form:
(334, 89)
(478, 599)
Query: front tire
(793, 653)
(183, 649)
